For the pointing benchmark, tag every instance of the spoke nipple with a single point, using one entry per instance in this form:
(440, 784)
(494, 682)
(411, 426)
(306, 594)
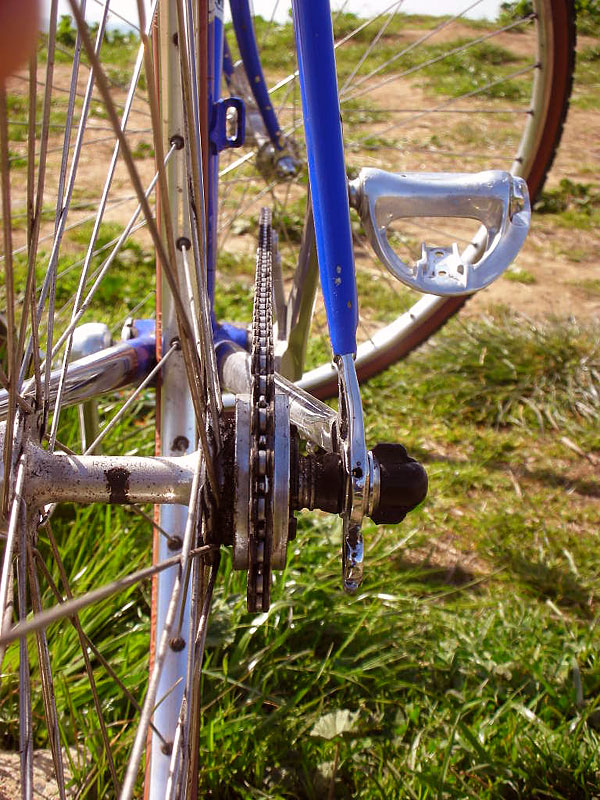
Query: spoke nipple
(176, 39)
(167, 748)
(182, 242)
(175, 543)
(357, 472)
(177, 643)
(175, 342)
(177, 141)
(180, 444)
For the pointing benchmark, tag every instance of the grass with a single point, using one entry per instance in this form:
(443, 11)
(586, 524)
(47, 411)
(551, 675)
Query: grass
(590, 286)
(571, 204)
(467, 666)
(519, 275)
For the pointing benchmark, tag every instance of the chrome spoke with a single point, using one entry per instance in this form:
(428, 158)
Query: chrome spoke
(131, 400)
(71, 607)
(473, 93)
(47, 680)
(431, 61)
(25, 718)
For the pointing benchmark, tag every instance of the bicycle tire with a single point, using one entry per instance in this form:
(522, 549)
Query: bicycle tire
(532, 159)
(90, 682)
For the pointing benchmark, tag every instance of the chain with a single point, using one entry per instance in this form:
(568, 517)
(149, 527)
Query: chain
(262, 427)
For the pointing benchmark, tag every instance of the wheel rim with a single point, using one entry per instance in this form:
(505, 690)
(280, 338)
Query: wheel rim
(79, 249)
(525, 144)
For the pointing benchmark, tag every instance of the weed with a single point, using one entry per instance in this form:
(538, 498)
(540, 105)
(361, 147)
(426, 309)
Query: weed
(519, 275)
(572, 204)
(142, 150)
(591, 286)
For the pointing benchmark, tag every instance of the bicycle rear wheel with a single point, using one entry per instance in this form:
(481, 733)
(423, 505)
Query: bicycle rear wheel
(101, 179)
(416, 93)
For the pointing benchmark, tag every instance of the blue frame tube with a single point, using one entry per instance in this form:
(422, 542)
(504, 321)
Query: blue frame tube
(327, 170)
(244, 33)
(215, 61)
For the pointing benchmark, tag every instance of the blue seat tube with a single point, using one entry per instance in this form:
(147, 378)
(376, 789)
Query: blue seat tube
(327, 170)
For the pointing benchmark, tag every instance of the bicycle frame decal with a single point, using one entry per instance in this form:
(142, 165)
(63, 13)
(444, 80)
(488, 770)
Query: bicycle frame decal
(327, 170)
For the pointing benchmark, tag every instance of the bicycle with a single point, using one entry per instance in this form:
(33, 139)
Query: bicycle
(256, 462)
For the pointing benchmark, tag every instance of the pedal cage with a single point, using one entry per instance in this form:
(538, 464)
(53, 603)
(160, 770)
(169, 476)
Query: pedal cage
(498, 200)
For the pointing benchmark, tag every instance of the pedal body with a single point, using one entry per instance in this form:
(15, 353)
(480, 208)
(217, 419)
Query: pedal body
(498, 200)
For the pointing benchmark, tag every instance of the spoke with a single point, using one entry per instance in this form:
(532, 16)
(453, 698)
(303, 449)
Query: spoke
(29, 305)
(190, 356)
(120, 16)
(36, 207)
(190, 725)
(254, 199)
(63, 210)
(47, 680)
(173, 541)
(64, 90)
(428, 35)
(71, 607)
(351, 35)
(71, 113)
(196, 280)
(79, 308)
(7, 563)
(10, 305)
(85, 643)
(25, 720)
(87, 143)
(369, 49)
(473, 93)
(198, 297)
(429, 62)
(113, 204)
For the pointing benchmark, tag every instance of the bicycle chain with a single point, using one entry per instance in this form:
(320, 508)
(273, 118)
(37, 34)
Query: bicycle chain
(262, 426)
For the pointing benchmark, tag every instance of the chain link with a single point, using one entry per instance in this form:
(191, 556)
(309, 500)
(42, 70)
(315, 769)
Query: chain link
(262, 426)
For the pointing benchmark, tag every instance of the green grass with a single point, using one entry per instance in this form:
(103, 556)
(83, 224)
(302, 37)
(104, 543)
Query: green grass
(467, 665)
(519, 275)
(571, 204)
(586, 94)
(590, 286)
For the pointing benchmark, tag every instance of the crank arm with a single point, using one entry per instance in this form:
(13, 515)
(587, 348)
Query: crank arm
(499, 200)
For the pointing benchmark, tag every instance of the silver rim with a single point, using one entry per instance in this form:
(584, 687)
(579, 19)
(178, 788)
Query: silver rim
(80, 185)
(412, 137)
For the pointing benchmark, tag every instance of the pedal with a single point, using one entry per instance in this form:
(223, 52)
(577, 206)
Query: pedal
(498, 200)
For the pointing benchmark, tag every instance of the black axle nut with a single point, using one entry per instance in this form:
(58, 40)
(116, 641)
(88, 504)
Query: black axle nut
(402, 485)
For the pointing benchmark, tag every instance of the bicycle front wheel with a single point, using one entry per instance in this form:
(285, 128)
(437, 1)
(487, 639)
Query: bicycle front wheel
(101, 179)
(417, 93)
